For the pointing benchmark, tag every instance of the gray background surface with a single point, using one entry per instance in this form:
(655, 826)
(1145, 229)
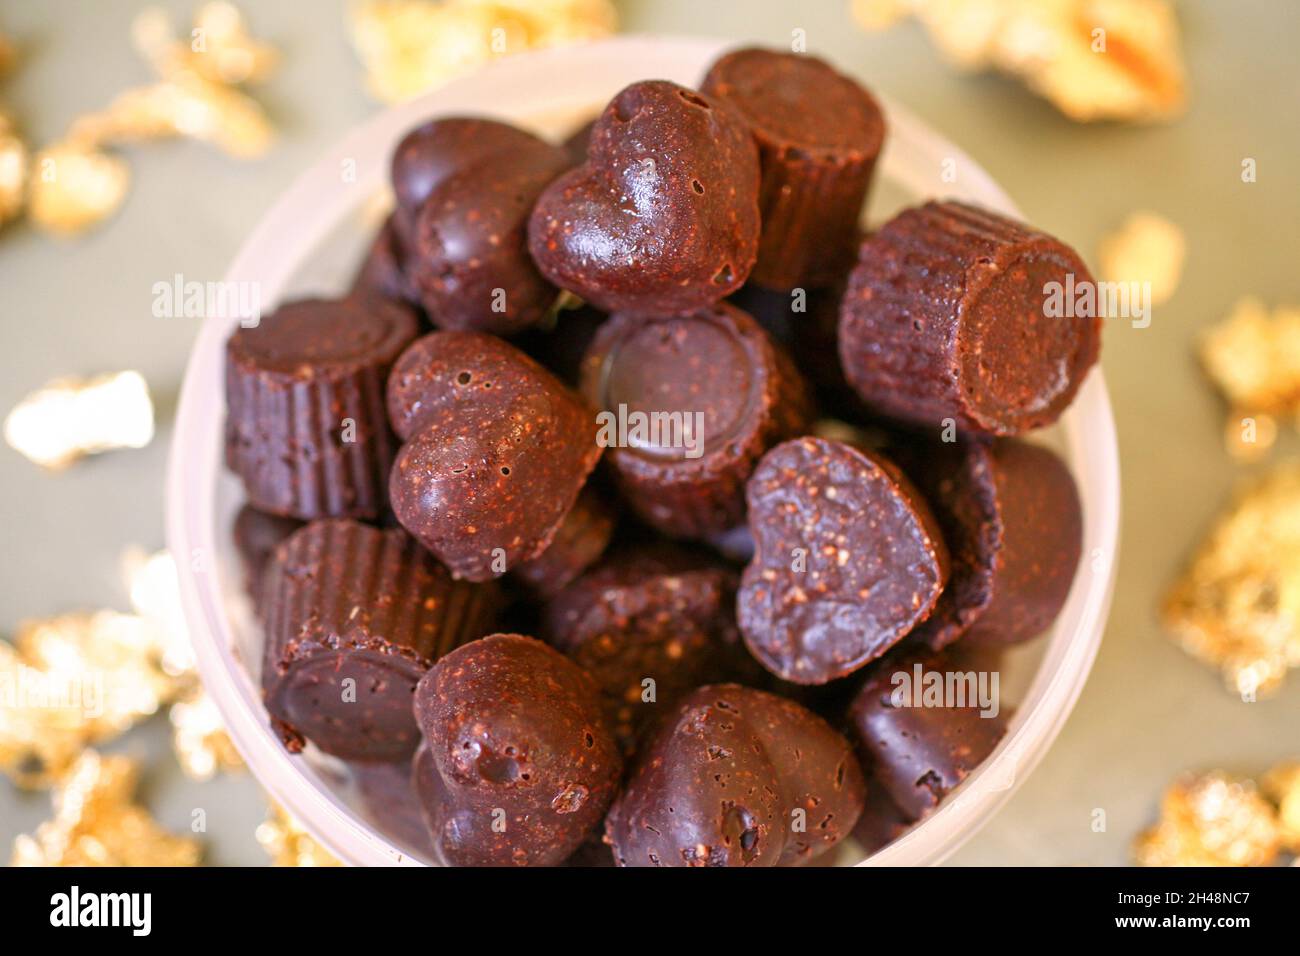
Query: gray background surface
(1148, 712)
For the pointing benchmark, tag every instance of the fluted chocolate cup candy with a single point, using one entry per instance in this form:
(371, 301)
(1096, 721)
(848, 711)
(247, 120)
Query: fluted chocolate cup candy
(819, 134)
(737, 777)
(690, 403)
(920, 751)
(519, 765)
(354, 615)
(467, 252)
(650, 624)
(305, 423)
(662, 218)
(1010, 516)
(951, 316)
(848, 559)
(497, 451)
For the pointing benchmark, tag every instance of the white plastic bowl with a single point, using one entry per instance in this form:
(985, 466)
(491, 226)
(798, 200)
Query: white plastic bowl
(312, 240)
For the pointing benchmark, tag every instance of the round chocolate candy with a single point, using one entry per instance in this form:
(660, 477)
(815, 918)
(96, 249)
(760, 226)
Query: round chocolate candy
(916, 748)
(848, 560)
(662, 218)
(1010, 516)
(518, 764)
(584, 533)
(819, 133)
(305, 424)
(354, 616)
(650, 625)
(949, 317)
(468, 258)
(690, 404)
(737, 777)
(383, 271)
(496, 451)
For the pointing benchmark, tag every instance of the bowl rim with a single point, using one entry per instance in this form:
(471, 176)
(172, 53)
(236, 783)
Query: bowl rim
(306, 208)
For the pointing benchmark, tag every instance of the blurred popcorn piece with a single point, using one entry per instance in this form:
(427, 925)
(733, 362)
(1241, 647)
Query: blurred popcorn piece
(1093, 59)
(1251, 437)
(70, 418)
(97, 823)
(199, 737)
(288, 844)
(1211, 819)
(1146, 248)
(410, 46)
(219, 48)
(74, 186)
(13, 170)
(1238, 605)
(1282, 786)
(1254, 358)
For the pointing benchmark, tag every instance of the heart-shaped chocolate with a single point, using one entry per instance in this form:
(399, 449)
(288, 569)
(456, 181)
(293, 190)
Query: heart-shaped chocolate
(847, 560)
(663, 217)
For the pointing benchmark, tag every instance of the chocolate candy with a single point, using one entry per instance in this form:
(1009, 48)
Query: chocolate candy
(582, 536)
(576, 143)
(947, 318)
(390, 802)
(702, 397)
(561, 347)
(848, 560)
(818, 135)
(737, 777)
(496, 451)
(881, 822)
(519, 766)
(383, 271)
(305, 425)
(1010, 517)
(256, 535)
(920, 752)
(655, 614)
(354, 616)
(662, 218)
(468, 257)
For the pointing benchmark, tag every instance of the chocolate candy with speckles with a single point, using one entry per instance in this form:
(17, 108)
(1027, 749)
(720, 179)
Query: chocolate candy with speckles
(949, 315)
(662, 218)
(819, 134)
(737, 777)
(497, 450)
(467, 251)
(691, 403)
(518, 764)
(848, 560)
(922, 751)
(582, 536)
(305, 423)
(256, 535)
(383, 271)
(1010, 516)
(651, 613)
(354, 615)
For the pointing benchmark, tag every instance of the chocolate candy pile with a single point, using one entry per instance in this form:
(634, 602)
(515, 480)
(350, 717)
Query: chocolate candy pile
(632, 579)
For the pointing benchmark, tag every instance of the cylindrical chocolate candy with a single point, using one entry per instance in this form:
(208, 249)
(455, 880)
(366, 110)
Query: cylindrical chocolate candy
(737, 777)
(496, 451)
(662, 218)
(819, 134)
(354, 615)
(848, 559)
(649, 625)
(518, 764)
(949, 319)
(305, 422)
(1010, 515)
(689, 405)
(920, 749)
(584, 533)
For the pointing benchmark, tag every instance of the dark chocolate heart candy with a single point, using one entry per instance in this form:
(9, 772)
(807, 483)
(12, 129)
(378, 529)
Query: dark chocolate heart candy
(663, 217)
(848, 560)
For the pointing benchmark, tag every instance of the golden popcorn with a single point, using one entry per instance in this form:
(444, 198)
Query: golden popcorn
(13, 171)
(1093, 59)
(1146, 248)
(73, 187)
(97, 823)
(71, 681)
(1253, 356)
(1238, 605)
(410, 46)
(288, 844)
(199, 737)
(219, 48)
(70, 418)
(1211, 819)
(1250, 437)
(1282, 786)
